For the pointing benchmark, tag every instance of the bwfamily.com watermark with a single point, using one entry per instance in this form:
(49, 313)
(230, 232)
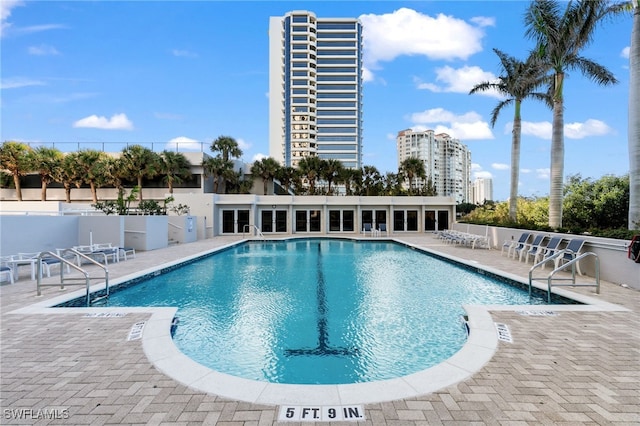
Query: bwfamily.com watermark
(35, 413)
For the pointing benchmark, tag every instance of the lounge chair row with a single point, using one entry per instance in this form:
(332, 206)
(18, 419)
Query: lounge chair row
(100, 252)
(463, 238)
(541, 247)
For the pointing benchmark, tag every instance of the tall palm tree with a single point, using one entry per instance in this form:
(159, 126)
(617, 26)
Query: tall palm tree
(227, 147)
(351, 178)
(634, 120)
(139, 163)
(175, 168)
(266, 169)
(68, 173)
(287, 177)
(90, 166)
(216, 167)
(330, 171)
(309, 168)
(517, 81)
(560, 37)
(412, 168)
(46, 161)
(15, 158)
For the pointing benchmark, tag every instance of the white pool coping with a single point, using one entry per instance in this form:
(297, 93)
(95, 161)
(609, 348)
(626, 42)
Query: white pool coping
(163, 354)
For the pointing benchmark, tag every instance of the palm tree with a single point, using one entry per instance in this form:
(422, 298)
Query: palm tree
(15, 158)
(330, 171)
(517, 81)
(287, 177)
(412, 168)
(175, 167)
(309, 168)
(266, 169)
(351, 178)
(216, 167)
(634, 120)
(227, 147)
(561, 36)
(46, 161)
(90, 168)
(139, 163)
(68, 173)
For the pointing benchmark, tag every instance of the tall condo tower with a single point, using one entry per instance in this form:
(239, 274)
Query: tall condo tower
(315, 89)
(446, 161)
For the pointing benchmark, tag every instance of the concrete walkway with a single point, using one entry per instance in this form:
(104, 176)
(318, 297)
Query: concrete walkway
(578, 367)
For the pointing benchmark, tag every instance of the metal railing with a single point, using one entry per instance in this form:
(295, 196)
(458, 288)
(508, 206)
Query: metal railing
(573, 263)
(85, 280)
(246, 227)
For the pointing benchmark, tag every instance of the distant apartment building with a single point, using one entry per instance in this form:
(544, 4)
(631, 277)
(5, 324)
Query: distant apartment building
(482, 190)
(446, 161)
(315, 88)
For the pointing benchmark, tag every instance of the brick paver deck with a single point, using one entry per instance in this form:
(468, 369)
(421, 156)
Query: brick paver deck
(573, 368)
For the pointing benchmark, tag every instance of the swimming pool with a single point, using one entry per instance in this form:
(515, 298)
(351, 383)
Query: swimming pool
(320, 311)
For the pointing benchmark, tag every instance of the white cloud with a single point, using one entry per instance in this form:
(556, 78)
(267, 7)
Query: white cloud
(500, 166)
(258, 157)
(5, 13)
(243, 145)
(540, 129)
(525, 171)
(543, 173)
(17, 82)
(484, 21)
(464, 127)
(483, 174)
(42, 50)
(625, 52)
(184, 53)
(460, 80)
(116, 122)
(407, 32)
(183, 143)
(590, 127)
(577, 130)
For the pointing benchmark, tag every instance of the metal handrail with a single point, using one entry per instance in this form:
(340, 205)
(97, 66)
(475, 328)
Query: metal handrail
(67, 262)
(573, 264)
(252, 226)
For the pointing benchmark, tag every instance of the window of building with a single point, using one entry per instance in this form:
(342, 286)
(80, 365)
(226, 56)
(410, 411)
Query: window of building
(341, 220)
(308, 221)
(273, 221)
(234, 221)
(336, 25)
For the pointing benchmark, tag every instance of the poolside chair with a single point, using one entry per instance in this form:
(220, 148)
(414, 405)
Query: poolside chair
(570, 252)
(382, 227)
(108, 250)
(535, 249)
(7, 269)
(46, 262)
(511, 246)
(522, 252)
(127, 250)
(549, 250)
(366, 227)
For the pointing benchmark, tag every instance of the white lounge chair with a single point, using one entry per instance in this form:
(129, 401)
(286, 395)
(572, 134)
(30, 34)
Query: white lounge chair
(7, 269)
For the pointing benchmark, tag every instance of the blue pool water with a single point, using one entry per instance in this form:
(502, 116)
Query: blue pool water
(319, 311)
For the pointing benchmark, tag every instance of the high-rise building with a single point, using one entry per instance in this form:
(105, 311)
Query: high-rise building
(482, 190)
(446, 160)
(315, 88)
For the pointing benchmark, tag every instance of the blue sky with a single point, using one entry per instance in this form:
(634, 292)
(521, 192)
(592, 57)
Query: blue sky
(94, 74)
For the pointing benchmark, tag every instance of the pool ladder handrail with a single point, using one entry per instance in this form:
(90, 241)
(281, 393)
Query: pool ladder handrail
(258, 231)
(66, 262)
(572, 263)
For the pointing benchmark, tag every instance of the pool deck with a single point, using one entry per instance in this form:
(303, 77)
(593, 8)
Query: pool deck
(573, 367)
